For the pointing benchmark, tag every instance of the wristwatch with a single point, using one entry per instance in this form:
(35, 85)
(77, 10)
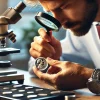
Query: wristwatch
(93, 83)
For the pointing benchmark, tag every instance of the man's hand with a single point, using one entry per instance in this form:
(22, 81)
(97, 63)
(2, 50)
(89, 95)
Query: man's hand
(65, 75)
(45, 46)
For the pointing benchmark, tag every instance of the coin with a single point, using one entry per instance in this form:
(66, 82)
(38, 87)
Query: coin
(18, 95)
(31, 96)
(41, 64)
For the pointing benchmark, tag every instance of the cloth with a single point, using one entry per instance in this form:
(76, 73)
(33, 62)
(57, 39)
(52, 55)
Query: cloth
(98, 28)
(84, 50)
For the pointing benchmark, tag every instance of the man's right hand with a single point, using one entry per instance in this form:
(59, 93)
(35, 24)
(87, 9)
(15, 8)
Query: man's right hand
(45, 46)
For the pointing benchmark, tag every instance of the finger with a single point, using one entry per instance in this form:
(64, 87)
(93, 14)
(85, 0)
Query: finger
(43, 44)
(44, 35)
(49, 38)
(53, 62)
(41, 49)
(45, 76)
(53, 70)
(34, 53)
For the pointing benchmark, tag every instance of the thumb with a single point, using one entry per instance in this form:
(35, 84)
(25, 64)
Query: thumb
(51, 61)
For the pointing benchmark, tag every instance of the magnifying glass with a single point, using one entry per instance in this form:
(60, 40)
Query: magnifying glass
(47, 21)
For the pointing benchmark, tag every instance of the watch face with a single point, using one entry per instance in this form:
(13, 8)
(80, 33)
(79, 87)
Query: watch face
(96, 74)
(94, 82)
(94, 86)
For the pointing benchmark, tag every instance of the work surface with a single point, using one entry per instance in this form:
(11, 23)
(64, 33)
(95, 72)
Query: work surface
(81, 94)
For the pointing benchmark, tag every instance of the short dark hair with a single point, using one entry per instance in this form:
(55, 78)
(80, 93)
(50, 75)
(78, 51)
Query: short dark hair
(91, 1)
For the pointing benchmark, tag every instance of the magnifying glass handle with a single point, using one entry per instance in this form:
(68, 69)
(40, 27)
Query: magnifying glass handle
(49, 32)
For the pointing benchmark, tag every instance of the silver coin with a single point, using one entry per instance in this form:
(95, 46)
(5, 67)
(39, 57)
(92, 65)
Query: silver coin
(6, 88)
(13, 89)
(18, 95)
(29, 87)
(18, 85)
(29, 92)
(31, 96)
(21, 90)
(38, 89)
(41, 64)
(41, 94)
(7, 92)
(54, 92)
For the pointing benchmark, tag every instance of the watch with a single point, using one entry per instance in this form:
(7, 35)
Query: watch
(93, 83)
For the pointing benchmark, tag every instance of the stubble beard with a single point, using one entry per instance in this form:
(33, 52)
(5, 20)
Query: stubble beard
(88, 19)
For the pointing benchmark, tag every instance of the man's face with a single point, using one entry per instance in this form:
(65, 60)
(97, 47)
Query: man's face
(76, 15)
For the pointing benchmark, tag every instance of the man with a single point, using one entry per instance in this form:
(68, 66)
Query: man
(82, 43)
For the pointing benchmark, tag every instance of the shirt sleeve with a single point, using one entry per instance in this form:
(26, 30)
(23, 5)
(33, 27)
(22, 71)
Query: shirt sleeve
(31, 63)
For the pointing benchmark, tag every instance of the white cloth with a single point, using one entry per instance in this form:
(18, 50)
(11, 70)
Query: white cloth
(84, 50)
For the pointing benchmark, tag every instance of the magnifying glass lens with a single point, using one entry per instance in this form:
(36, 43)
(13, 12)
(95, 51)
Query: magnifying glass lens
(47, 21)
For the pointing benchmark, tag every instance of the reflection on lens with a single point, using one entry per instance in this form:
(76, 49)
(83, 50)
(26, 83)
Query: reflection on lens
(48, 23)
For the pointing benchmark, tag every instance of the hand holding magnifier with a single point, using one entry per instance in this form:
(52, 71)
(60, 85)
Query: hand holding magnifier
(50, 23)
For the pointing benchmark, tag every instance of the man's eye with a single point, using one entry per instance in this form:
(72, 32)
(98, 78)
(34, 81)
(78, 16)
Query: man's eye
(63, 7)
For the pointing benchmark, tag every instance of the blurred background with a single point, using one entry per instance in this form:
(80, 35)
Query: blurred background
(25, 30)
